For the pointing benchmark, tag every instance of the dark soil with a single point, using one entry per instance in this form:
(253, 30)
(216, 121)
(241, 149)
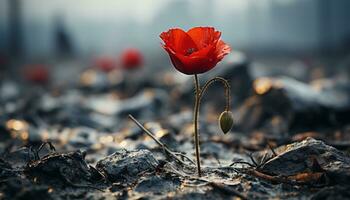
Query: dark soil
(290, 138)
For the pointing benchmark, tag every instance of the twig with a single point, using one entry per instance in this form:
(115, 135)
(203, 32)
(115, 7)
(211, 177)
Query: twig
(265, 157)
(177, 172)
(228, 168)
(195, 185)
(52, 148)
(166, 149)
(252, 159)
(184, 156)
(263, 160)
(274, 179)
(241, 162)
(271, 148)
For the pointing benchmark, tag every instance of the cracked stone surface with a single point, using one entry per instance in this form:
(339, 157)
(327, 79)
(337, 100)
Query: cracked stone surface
(127, 166)
(298, 157)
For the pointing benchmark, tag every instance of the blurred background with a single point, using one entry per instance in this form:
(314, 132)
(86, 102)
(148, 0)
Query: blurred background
(71, 71)
(270, 31)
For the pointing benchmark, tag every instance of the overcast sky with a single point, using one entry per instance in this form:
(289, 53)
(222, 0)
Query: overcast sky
(110, 25)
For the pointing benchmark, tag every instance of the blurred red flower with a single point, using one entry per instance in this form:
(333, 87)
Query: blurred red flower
(105, 63)
(196, 51)
(131, 58)
(37, 73)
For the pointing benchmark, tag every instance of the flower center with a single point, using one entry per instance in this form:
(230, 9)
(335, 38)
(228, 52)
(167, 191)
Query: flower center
(190, 51)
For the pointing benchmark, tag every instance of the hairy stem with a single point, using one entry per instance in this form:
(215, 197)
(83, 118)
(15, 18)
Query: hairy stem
(196, 132)
(199, 94)
(226, 86)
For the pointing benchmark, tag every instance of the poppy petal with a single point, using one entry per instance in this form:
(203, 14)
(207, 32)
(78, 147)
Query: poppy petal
(207, 51)
(203, 36)
(192, 65)
(178, 41)
(222, 49)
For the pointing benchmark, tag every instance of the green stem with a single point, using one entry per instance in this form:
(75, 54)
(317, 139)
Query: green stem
(196, 132)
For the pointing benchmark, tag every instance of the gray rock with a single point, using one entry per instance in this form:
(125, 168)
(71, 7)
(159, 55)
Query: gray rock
(9, 90)
(5, 169)
(81, 137)
(209, 195)
(19, 157)
(157, 184)
(67, 167)
(127, 166)
(300, 106)
(332, 193)
(148, 103)
(299, 157)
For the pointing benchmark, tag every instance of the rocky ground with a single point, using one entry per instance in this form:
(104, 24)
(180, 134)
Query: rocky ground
(108, 136)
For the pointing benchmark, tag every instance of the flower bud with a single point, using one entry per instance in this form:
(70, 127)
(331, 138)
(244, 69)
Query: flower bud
(226, 121)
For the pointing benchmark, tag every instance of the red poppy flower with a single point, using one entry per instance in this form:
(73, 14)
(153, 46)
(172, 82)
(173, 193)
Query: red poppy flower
(131, 58)
(105, 63)
(37, 73)
(196, 51)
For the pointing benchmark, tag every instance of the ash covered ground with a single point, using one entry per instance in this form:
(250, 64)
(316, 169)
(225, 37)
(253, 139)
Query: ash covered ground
(76, 140)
